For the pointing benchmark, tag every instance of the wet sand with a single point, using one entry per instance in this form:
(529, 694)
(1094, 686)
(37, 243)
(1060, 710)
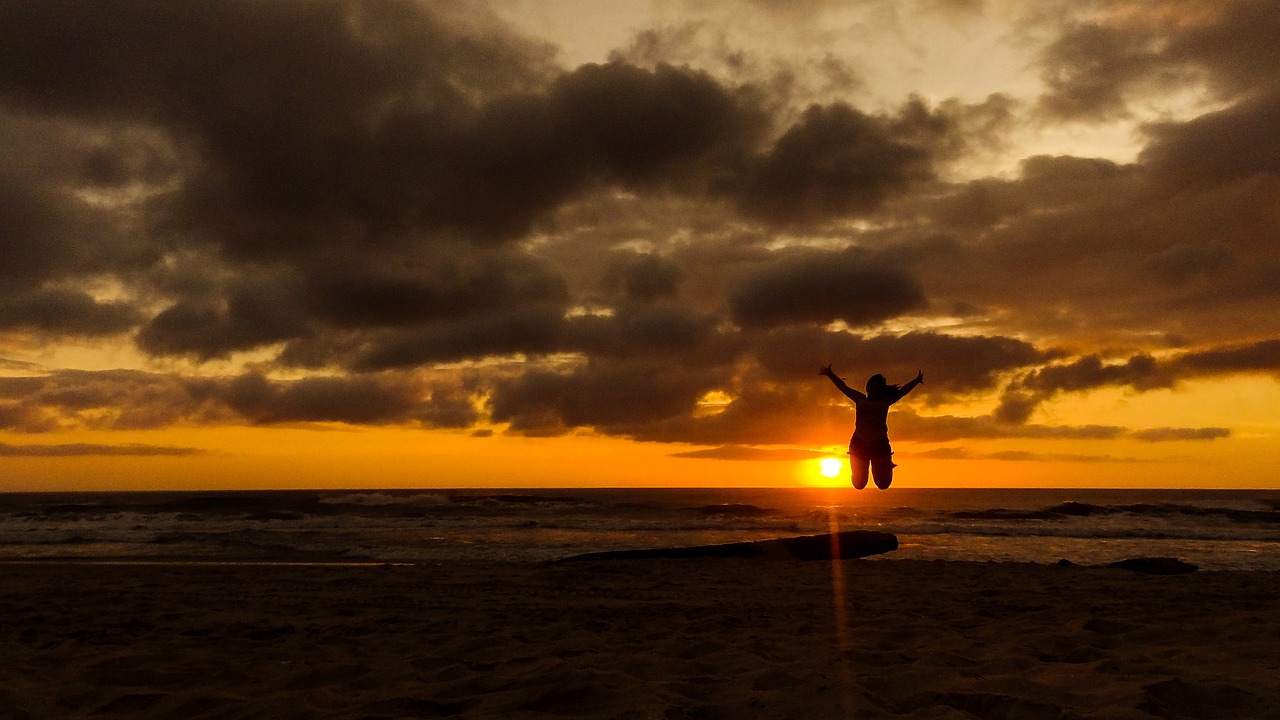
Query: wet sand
(657, 638)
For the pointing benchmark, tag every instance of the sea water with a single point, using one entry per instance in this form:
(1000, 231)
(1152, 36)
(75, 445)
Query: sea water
(1217, 530)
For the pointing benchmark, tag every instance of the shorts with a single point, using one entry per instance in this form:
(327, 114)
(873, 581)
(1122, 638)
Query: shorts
(868, 450)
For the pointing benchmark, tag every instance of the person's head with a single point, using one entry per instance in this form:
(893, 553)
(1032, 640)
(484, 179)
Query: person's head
(876, 385)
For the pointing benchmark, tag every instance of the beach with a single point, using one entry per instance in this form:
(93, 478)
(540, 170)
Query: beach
(656, 638)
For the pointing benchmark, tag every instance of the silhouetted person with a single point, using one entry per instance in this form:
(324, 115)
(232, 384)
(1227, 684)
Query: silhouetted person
(870, 442)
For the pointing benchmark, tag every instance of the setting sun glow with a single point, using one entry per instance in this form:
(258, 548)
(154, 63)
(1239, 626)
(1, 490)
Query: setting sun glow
(830, 467)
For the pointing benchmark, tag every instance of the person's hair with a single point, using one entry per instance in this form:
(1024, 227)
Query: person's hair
(879, 379)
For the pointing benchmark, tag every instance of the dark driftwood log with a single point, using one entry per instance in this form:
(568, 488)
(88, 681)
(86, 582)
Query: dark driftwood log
(1156, 566)
(848, 544)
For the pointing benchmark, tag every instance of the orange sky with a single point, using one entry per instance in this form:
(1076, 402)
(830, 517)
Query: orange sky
(572, 242)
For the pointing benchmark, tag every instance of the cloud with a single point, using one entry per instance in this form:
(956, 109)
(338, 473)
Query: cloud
(955, 453)
(1089, 372)
(741, 452)
(1090, 69)
(1140, 372)
(952, 364)
(20, 366)
(110, 399)
(836, 161)
(643, 276)
(1021, 397)
(249, 315)
(536, 329)
(809, 287)
(1228, 145)
(369, 117)
(910, 425)
(623, 397)
(95, 450)
(326, 204)
(131, 399)
(67, 312)
(352, 399)
(635, 123)
(1166, 434)
(1096, 67)
(382, 299)
(664, 329)
(418, 216)
(1261, 356)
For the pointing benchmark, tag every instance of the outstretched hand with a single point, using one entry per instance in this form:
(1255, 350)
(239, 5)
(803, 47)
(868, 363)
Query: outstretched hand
(920, 377)
(826, 371)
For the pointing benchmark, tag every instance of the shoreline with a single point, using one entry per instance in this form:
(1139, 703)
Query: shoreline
(640, 638)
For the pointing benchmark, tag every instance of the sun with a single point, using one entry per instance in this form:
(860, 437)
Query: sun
(830, 467)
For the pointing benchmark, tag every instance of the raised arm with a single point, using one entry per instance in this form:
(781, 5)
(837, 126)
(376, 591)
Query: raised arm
(849, 392)
(917, 380)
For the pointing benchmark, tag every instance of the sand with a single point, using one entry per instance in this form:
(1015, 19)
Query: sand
(692, 638)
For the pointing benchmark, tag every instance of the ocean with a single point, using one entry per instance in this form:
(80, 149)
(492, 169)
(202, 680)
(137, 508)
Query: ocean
(1217, 530)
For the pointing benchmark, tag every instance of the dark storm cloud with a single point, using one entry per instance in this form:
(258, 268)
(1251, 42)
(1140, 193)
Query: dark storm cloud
(95, 450)
(112, 399)
(537, 328)
(1215, 148)
(957, 364)
(643, 276)
(48, 233)
(289, 162)
(352, 308)
(248, 316)
(618, 397)
(1023, 396)
(1096, 67)
(1088, 251)
(396, 293)
(130, 399)
(835, 161)
(64, 311)
(388, 115)
(636, 123)
(1090, 69)
(296, 107)
(660, 328)
(812, 287)
(1182, 263)
(1140, 372)
(1143, 372)
(666, 329)
(1262, 356)
(353, 400)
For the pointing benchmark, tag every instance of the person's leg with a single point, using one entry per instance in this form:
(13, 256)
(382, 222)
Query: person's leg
(858, 469)
(882, 469)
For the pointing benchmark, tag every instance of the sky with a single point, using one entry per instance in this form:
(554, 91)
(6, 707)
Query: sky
(334, 243)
